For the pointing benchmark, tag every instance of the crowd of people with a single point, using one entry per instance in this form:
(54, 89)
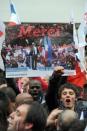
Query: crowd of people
(26, 104)
(38, 46)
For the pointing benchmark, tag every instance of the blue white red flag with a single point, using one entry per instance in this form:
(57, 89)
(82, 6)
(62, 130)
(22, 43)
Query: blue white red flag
(48, 48)
(14, 18)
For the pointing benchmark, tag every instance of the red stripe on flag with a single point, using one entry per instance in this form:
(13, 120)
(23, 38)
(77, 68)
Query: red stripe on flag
(1, 33)
(12, 24)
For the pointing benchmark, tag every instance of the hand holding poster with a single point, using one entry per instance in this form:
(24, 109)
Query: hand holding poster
(36, 49)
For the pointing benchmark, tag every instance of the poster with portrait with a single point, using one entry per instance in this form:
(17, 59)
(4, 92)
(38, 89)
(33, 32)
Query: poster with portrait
(35, 49)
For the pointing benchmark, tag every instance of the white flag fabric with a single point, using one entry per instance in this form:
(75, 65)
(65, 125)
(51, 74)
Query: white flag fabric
(82, 116)
(82, 30)
(79, 40)
(81, 46)
(75, 33)
(81, 35)
(75, 36)
(79, 54)
(14, 18)
(2, 39)
(85, 129)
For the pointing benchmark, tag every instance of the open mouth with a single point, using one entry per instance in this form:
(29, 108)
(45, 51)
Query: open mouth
(68, 100)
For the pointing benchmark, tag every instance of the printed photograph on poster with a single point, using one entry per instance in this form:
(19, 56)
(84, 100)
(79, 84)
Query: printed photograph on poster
(36, 49)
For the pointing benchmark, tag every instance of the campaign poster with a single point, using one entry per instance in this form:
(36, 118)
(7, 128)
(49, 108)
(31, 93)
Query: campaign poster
(35, 49)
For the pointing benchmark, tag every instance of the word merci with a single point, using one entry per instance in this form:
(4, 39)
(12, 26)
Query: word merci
(31, 31)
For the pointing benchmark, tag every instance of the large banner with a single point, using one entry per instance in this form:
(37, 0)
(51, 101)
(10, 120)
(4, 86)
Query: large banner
(36, 49)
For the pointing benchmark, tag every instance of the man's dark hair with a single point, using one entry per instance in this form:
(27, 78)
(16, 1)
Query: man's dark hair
(4, 100)
(68, 86)
(37, 116)
(3, 121)
(3, 81)
(4, 103)
(11, 82)
(4, 109)
(9, 92)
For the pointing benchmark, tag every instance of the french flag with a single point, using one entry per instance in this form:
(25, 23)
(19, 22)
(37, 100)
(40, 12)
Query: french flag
(1, 33)
(14, 18)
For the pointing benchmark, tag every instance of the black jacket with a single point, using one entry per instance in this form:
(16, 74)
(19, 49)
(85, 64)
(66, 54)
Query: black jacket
(55, 81)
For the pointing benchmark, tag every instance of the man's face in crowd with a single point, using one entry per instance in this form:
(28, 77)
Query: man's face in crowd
(68, 97)
(16, 119)
(34, 91)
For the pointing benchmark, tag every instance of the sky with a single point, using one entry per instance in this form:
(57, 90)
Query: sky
(43, 10)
